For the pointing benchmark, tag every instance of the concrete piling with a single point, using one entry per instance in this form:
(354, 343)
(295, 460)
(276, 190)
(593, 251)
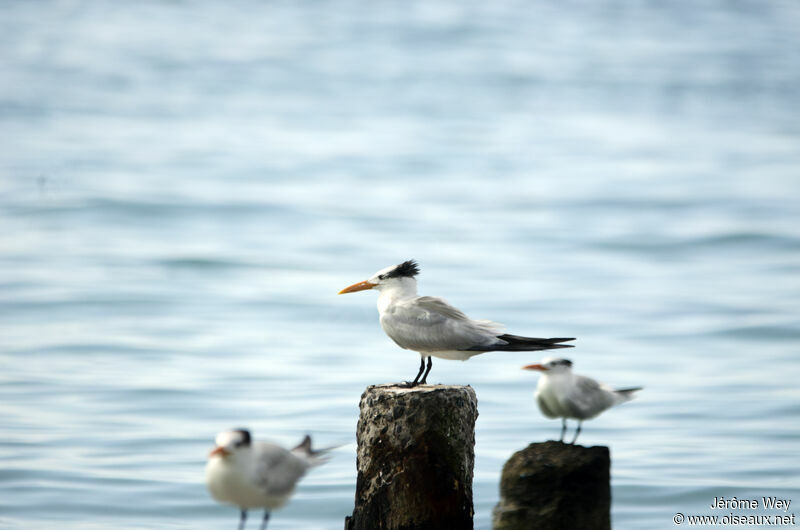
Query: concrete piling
(554, 486)
(415, 458)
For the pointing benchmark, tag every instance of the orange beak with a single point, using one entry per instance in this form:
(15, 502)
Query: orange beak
(218, 451)
(360, 286)
(536, 366)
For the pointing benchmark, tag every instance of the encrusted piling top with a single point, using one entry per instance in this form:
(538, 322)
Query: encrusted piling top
(406, 414)
(400, 388)
(553, 485)
(415, 458)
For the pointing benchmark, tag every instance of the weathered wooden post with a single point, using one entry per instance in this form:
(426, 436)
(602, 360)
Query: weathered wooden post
(415, 458)
(553, 486)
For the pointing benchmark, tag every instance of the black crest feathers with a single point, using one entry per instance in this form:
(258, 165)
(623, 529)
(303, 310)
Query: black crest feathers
(245, 437)
(407, 268)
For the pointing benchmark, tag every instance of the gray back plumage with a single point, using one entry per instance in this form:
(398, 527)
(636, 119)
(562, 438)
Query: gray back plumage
(278, 469)
(427, 323)
(591, 397)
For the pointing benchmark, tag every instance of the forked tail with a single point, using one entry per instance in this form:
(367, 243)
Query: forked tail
(316, 456)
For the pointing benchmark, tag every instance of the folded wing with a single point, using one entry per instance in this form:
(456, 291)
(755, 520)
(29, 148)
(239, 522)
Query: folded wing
(427, 323)
(278, 470)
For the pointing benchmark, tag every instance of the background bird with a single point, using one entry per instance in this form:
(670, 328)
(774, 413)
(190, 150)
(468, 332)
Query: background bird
(433, 327)
(252, 474)
(563, 394)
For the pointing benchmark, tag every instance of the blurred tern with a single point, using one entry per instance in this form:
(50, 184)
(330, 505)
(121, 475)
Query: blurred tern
(562, 394)
(434, 328)
(250, 474)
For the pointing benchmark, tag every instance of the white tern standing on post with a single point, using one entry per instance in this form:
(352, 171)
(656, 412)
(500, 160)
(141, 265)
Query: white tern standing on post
(250, 474)
(562, 394)
(433, 327)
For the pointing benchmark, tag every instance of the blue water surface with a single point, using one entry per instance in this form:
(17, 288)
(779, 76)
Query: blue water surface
(184, 187)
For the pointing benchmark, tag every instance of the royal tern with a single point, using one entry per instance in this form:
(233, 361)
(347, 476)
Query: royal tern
(250, 474)
(562, 394)
(434, 328)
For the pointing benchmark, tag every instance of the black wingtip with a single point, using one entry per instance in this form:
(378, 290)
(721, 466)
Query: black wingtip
(535, 340)
(560, 339)
(520, 343)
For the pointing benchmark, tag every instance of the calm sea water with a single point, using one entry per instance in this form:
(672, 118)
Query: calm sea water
(184, 187)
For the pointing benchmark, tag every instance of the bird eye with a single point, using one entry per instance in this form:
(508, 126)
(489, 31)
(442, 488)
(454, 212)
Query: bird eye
(381, 276)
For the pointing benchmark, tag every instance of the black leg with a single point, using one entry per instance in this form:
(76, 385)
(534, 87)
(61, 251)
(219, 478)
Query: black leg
(421, 369)
(242, 519)
(577, 431)
(265, 520)
(415, 382)
(563, 429)
(425, 377)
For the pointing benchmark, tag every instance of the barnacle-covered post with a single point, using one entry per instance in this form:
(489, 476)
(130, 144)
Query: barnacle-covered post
(555, 486)
(415, 458)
